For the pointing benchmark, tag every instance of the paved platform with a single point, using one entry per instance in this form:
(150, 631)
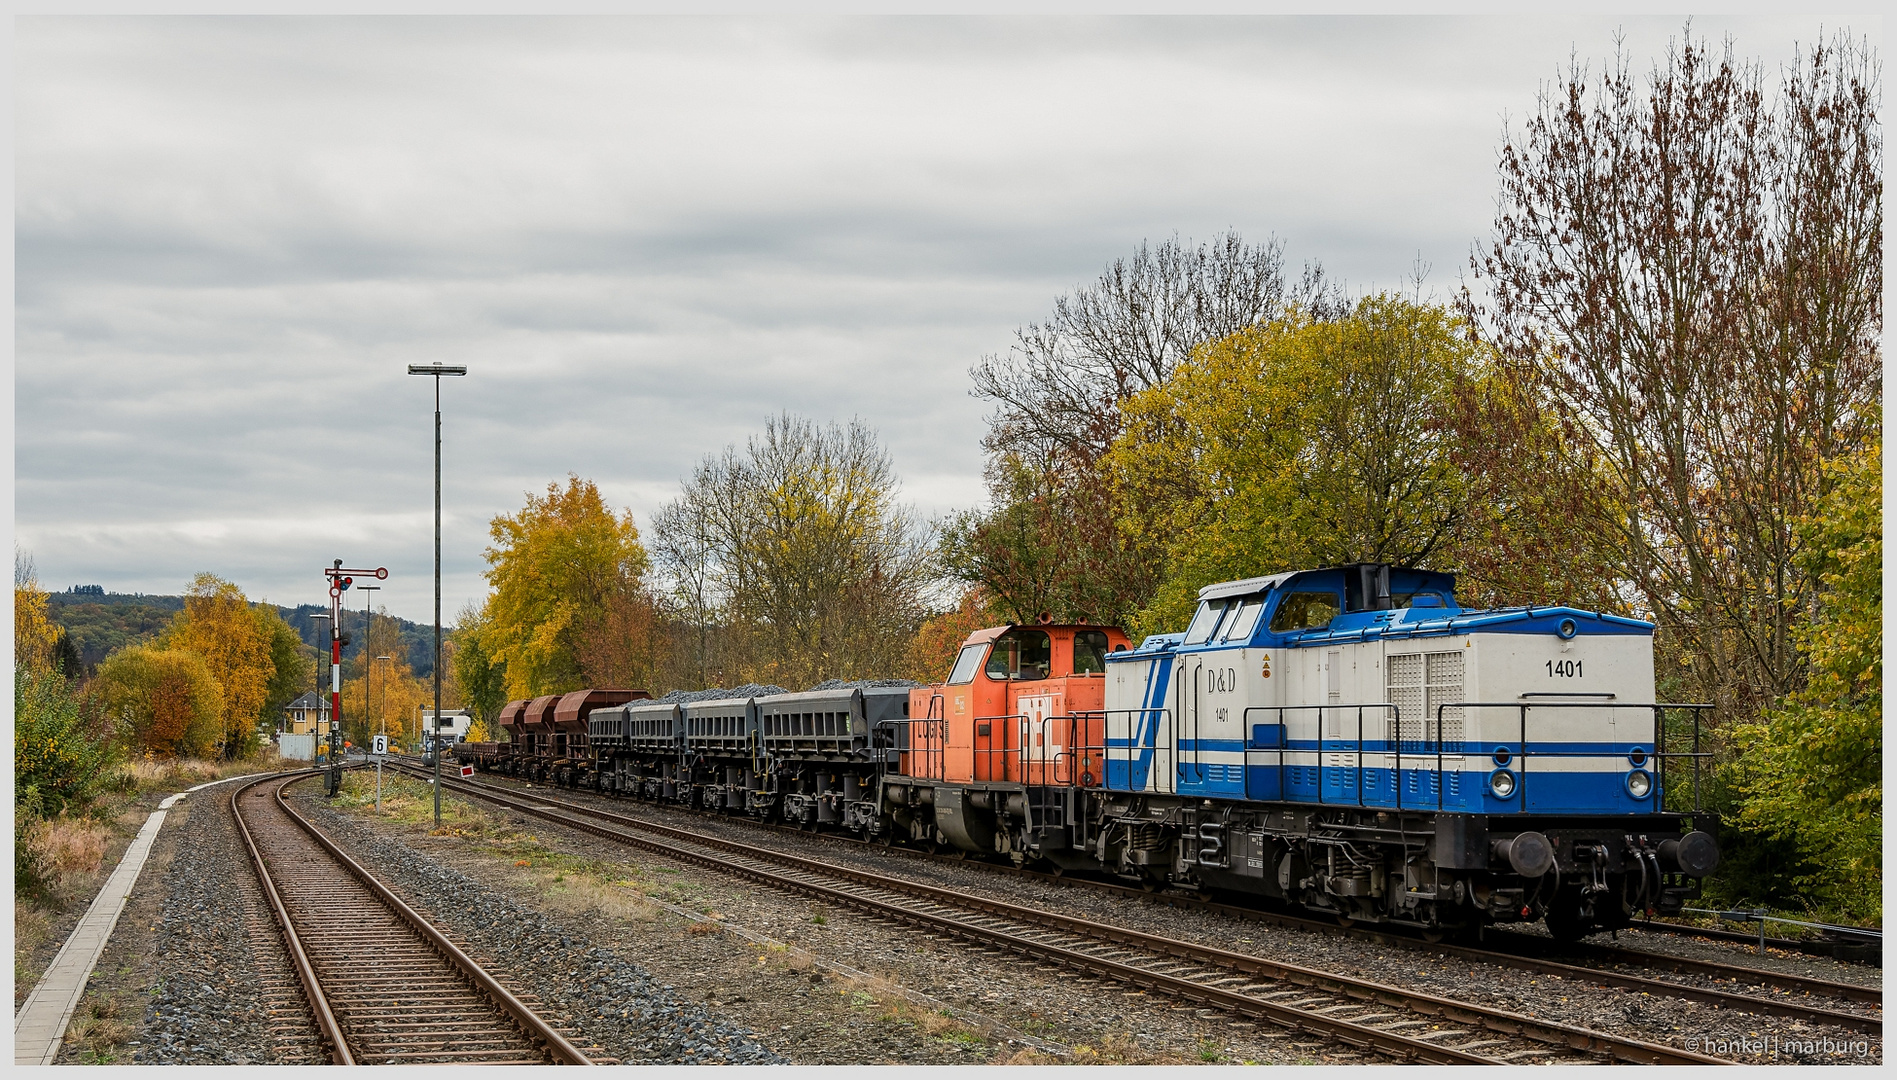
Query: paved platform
(40, 1026)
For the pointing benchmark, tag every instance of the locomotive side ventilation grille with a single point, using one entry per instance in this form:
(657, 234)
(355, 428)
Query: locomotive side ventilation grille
(1419, 684)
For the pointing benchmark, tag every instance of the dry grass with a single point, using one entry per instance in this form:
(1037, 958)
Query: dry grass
(1125, 1050)
(97, 1026)
(164, 776)
(66, 847)
(885, 996)
(32, 928)
(565, 882)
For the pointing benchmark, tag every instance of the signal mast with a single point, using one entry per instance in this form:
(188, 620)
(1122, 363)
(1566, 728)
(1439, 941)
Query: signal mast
(339, 581)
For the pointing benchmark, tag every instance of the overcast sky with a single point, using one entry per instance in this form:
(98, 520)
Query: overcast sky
(643, 236)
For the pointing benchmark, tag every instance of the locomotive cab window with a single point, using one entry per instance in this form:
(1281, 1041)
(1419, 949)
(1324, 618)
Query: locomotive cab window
(1021, 654)
(1304, 611)
(1206, 621)
(1239, 627)
(1090, 652)
(967, 664)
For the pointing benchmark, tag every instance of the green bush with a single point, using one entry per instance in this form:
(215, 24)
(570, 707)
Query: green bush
(63, 756)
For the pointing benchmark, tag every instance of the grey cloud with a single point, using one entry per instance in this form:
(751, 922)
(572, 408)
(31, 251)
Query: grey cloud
(644, 236)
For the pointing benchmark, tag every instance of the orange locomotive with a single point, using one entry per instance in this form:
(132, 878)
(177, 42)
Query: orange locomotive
(1031, 714)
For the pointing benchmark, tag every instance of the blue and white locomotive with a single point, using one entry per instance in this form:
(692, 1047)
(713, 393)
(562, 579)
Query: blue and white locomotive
(1351, 740)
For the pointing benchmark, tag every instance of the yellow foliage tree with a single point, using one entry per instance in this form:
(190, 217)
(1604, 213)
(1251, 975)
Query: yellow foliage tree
(1299, 443)
(558, 568)
(173, 705)
(218, 625)
(34, 634)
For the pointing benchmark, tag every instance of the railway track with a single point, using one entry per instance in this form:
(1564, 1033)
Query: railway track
(1839, 945)
(1372, 1018)
(382, 985)
(1764, 993)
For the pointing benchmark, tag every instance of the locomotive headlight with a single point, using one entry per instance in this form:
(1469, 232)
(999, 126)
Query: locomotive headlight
(1502, 783)
(1640, 783)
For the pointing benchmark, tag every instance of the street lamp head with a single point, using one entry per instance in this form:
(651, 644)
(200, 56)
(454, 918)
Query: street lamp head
(436, 369)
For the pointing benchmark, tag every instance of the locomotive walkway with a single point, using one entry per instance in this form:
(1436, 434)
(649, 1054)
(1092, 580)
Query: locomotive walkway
(1378, 1019)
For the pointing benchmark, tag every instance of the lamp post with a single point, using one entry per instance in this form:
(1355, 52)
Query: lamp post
(437, 370)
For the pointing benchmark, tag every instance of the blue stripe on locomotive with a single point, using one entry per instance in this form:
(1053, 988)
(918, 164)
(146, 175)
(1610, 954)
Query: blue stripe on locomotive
(1131, 769)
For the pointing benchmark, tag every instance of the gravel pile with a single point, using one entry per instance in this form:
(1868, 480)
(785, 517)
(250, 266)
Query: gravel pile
(205, 1007)
(748, 690)
(862, 684)
(604, 999)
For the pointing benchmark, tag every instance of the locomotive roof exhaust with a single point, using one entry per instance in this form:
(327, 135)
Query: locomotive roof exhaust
(1369, 588)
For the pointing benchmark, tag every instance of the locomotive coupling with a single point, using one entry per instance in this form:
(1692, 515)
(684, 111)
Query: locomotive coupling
(1528, 854)
(1696, 854)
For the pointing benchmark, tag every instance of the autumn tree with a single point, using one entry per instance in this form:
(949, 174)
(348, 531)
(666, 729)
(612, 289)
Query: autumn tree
(796, 549)
(380, 693)
(1687, 275)
(938, 641)
(481, 681)
(1300, 443)
(172, 703)
(35, 636)
(1812, 771)
(219, 625)
(292, 663)
(1049, 542)
(560, 570)
(64, 746)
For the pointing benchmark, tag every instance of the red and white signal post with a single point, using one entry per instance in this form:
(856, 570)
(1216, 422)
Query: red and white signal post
(340, 579)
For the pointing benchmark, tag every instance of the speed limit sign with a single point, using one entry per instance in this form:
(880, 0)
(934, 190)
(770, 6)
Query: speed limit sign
(381, 746)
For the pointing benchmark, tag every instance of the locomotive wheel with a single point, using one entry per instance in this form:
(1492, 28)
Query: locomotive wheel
(1435, 937)
(1345, 921)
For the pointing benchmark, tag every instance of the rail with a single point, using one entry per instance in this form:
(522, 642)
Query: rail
(550, 1040)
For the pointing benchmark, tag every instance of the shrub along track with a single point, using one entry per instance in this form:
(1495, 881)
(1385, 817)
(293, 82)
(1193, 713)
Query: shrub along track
(1374, 1018)
(383, 985)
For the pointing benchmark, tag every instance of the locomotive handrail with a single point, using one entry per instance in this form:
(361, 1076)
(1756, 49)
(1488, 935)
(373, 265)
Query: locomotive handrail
(932, 752)
(1321, 750)
(1132, 741)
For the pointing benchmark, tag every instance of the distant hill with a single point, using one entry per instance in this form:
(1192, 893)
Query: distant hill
(101, 623)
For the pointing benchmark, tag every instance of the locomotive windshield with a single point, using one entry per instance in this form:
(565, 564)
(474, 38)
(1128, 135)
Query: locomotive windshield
(1205, 622)
(1240, 625)
(967, 664)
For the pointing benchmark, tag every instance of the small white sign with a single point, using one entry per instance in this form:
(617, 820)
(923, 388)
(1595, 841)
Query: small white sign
(381, 745)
